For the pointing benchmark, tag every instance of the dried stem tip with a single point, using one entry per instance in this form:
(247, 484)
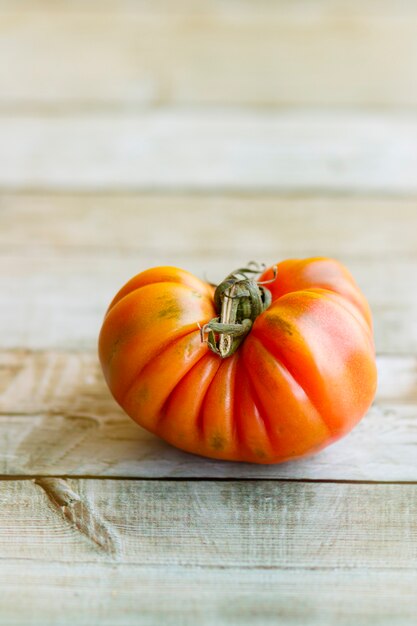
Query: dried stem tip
(239, 299)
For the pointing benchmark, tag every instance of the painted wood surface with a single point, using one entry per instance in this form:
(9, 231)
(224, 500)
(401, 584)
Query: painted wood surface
(64, 594)
(117, 54)
(244, 524)
(57, 418)
(271, 226)
(49, 302)
(200, 134)
(248, 552)
(212, 149)
(53, 248)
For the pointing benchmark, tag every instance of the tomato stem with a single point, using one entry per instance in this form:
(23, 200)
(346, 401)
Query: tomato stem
(239, 299)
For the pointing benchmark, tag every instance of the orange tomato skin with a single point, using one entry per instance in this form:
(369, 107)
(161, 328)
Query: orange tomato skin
(302, 378)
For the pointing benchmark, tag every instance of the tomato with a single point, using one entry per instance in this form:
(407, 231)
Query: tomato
(258, 370)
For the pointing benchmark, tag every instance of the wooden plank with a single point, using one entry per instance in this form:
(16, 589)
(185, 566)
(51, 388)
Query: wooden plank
(227, 9)
(382, 448)
(144, 552)
(56, 382)
(243, 524)
(193, 52)
(109, 594)
(57, 417)
(65, 243)
(283, 150)
(258, 225)
(47, 300)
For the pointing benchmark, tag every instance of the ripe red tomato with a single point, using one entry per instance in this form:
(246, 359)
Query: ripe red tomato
(286, 368)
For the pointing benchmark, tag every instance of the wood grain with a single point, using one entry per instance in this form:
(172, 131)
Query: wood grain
(141, 552)
(244, 524)
(144, 552)
(64, 594)
(53, 248)
(192, 52)
(212, 149)
(137, 133)
(58, 418)
(262, 225)
(47, 301)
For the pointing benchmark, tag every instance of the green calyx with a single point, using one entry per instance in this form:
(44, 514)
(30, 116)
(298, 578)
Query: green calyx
(239, 299)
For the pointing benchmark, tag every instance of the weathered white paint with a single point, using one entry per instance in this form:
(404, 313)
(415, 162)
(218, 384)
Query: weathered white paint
(58, 299)
(259, 225)
(212, 149)
(76, 78)
(57, 417)
(242, 524)
(64, 594)
(117, 54)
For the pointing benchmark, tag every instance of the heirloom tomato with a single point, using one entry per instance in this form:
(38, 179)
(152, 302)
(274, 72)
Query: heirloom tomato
(269, 366)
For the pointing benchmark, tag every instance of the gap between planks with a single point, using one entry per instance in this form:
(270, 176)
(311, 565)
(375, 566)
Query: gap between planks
(201, 479)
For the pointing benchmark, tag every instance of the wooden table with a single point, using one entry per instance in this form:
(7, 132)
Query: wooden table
(200, 134)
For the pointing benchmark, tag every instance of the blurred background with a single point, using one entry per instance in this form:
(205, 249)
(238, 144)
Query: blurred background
(202, 134)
